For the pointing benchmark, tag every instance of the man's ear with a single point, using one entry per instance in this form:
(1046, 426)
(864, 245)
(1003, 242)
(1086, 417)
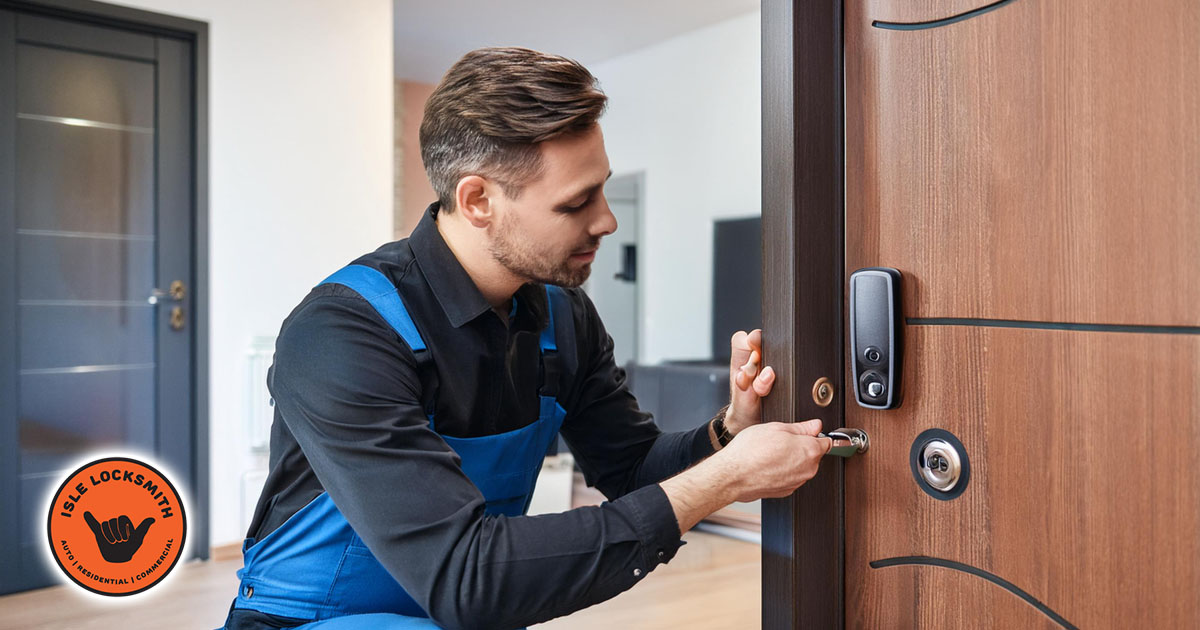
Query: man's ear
(473, 198)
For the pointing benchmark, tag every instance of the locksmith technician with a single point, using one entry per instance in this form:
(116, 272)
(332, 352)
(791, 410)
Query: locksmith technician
(418, 389)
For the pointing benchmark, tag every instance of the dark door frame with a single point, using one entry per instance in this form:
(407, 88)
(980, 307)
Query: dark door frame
(194, 33)
(803, 261)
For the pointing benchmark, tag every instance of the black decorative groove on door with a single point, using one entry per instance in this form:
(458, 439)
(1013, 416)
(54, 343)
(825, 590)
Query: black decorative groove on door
(917, 26)
(968, 569)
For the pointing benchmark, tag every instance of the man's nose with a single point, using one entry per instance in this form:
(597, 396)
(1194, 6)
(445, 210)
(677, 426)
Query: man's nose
(606, 222)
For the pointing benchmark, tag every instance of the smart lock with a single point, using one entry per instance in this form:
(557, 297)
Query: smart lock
(876, 337)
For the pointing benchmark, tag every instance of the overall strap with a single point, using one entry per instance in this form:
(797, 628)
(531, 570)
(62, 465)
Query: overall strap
(376, 289)
(561, 326)
(554, 296)
(384, 297)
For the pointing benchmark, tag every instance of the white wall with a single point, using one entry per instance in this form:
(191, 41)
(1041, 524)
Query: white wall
(300, 146)
(687, 112)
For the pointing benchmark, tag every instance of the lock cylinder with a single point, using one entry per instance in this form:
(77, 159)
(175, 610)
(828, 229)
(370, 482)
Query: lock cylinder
(939, 464)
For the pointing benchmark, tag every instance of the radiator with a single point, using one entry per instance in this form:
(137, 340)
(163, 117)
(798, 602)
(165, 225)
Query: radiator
(260, 409)
(256, 425)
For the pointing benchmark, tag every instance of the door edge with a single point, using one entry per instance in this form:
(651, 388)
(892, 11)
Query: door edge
(803, 267)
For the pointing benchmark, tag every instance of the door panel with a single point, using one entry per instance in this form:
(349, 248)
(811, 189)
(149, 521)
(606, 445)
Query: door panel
(85, 86)
(1037, 162)
(95, 180)
(1034, 163)
(1078, 444)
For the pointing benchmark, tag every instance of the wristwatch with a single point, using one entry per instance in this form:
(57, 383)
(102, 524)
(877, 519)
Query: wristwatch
(718, 425)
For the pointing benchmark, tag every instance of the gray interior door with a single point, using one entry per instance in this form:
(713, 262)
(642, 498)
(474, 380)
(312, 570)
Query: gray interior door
(96, 264)
(613, 286)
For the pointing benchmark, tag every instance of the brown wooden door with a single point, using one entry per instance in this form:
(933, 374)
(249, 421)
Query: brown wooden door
(1034, 172)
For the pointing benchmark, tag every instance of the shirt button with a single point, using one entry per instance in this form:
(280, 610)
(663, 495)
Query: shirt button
(662, 556)
(637, 573)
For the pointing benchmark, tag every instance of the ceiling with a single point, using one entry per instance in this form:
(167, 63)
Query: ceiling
(432, 34)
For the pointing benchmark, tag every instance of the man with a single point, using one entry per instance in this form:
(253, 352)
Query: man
(417, 391)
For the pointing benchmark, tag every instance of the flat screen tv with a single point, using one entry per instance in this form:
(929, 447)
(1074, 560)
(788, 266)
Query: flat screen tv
(737, 281)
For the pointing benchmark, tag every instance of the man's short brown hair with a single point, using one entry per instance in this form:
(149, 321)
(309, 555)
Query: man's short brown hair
(493, 107)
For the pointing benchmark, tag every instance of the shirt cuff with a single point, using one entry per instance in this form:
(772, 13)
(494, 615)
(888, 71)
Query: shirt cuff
(702, 446)
(657, 528)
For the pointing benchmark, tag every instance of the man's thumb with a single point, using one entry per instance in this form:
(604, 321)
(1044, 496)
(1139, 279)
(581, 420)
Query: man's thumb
(144, 527)
(809, 427)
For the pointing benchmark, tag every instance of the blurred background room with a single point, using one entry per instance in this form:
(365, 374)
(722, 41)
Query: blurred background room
(183, 172)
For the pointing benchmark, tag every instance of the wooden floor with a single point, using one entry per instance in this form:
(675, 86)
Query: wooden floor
(713, 583)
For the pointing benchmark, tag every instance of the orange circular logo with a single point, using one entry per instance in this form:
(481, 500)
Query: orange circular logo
(116, 526)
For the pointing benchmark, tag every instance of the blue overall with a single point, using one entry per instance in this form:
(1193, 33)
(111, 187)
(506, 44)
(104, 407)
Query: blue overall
(315, 567)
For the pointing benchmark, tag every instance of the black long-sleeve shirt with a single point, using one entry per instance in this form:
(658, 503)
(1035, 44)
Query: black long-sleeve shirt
(349, 421)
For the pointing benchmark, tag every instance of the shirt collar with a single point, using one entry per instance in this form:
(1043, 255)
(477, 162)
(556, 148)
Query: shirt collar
(457, 294)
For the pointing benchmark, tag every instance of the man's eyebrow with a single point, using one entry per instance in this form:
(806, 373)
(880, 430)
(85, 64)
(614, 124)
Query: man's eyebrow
(589, 190)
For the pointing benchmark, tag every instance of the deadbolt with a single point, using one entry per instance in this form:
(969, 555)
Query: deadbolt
(940, 465)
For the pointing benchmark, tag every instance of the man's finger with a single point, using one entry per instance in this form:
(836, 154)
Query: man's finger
(739, 351)
(754, 338)
(764, 382)
(751, 366)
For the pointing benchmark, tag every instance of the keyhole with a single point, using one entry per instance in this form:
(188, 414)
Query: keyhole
(939, 466)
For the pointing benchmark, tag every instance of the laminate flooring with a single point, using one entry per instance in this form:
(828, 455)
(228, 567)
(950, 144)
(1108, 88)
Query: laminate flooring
(713, 583)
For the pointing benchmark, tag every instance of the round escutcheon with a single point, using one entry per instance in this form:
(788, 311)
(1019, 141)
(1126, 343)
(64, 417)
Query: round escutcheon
(940, 464)
(822, 392)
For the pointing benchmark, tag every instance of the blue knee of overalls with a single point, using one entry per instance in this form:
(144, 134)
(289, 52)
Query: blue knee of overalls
(314, 566)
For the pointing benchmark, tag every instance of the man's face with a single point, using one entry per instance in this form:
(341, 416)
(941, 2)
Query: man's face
(551, 232)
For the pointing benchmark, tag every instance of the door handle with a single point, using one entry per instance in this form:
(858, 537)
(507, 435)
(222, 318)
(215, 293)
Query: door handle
(848, 442)
(628, 271)
(176, 292)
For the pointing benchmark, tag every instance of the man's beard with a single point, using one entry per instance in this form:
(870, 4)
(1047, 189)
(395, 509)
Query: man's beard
(521, 257)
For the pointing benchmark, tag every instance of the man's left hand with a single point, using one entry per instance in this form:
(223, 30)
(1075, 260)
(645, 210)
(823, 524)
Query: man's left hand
(749, 382)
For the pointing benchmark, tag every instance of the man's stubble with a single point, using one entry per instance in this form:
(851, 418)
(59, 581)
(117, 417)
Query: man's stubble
(524, 258)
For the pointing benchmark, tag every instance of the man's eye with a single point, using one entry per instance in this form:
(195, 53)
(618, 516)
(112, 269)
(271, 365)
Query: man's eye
(576, 208)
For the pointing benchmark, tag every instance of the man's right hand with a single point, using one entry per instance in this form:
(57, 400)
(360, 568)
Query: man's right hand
(771, 460)
(768, 460)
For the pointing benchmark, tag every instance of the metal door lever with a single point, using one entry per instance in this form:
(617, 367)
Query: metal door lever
(848, 442)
